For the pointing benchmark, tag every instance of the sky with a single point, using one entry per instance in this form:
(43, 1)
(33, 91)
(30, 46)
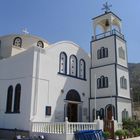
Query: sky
(58, 20)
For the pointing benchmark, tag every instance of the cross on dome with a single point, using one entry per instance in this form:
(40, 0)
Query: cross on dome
(25, 31)
(106, 7)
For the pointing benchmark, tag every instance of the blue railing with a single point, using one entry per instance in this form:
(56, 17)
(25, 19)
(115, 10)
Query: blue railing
(89, 135)
(109, 33)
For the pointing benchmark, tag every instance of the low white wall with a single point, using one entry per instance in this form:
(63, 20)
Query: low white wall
(54, 136)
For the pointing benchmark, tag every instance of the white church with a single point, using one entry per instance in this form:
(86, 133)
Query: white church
(42, 82)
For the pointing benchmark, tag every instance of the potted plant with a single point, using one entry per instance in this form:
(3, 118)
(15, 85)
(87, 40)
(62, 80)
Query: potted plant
(106, 135)
(138, 131)
(120, 134)
(135, 133)
(126, 133)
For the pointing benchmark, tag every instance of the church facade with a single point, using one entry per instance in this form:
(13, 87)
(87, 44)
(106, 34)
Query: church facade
(42, 82)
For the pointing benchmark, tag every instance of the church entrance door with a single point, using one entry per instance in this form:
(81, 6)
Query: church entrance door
(109, 113)
(72, 112)
(73, 107)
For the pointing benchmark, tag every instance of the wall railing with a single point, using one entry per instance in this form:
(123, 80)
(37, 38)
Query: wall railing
(106, 34)
(62, 127)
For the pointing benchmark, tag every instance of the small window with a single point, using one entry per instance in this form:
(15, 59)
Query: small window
(102, 82)
(121, 53)
(40, 44)
(9, 99)
(63, 63)
(123, 82)
(17, 98)
(73, 65)
(101, 113)
(82, 69)
(102, 53)
(17, 42)
(125, 114)
(48, 111)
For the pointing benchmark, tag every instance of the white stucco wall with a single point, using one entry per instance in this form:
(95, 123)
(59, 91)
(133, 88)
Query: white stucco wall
(14, 70)
(108, 71)
(106, 43)
(101, 103)
(49, 77)
(123, 92)
(124, 104)
(7, 49)
(121, 43)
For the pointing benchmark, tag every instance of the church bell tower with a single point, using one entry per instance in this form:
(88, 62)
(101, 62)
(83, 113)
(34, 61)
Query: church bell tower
(110, 89)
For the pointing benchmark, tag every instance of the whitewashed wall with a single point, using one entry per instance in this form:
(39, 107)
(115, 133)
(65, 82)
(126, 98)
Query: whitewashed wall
(7, 48)
(123, 92)
(121, 43)
(101, 103)
(49, 77)
(107, 43)
(124, 104)
(14, 70)
(107, 71)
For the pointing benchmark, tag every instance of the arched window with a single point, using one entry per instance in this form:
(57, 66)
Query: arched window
(121, 53)
(93, 114)
(63, 63)
(82, 69)
(102, 82)
(17, 42)
(73, 95)
(102, 53)
(9, 99)
(17, 98)
(40, 44)
(123, 82)
(98, 54)
(125, 114)
(73, 65)
(98, 83)
(102, 113)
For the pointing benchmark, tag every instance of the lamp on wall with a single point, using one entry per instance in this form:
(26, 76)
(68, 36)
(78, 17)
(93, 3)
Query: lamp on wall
(62, 91)
(83, 94)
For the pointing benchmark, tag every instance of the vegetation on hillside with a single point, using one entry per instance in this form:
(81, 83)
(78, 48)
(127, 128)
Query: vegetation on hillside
(134, 72)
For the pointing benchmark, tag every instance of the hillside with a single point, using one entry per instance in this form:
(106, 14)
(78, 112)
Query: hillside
(134, 72)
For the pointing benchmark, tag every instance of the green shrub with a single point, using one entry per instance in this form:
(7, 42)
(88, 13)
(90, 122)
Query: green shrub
(126, 133)
(106, 134)
(138, 131)
(135, 133)
(120, 133)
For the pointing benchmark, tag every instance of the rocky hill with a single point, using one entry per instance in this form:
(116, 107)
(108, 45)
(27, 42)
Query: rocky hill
(134, 72)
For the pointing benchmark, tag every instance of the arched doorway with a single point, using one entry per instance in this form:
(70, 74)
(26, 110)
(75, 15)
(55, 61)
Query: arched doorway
(110, 112)
(73, 109)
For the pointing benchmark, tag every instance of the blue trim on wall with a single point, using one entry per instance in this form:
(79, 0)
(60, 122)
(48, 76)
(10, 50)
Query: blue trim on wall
(116, 103)
(112, 97)
(106, 14)
(71, 76)
(102, 66)
(109, 36)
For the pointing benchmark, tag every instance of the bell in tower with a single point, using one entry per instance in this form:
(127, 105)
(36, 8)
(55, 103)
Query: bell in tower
(108, 22)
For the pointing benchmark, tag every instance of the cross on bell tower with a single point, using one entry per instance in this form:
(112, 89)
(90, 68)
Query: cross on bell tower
(106, 7)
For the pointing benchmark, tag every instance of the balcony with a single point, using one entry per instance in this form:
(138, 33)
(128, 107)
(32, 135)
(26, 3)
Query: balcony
(107, 34)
